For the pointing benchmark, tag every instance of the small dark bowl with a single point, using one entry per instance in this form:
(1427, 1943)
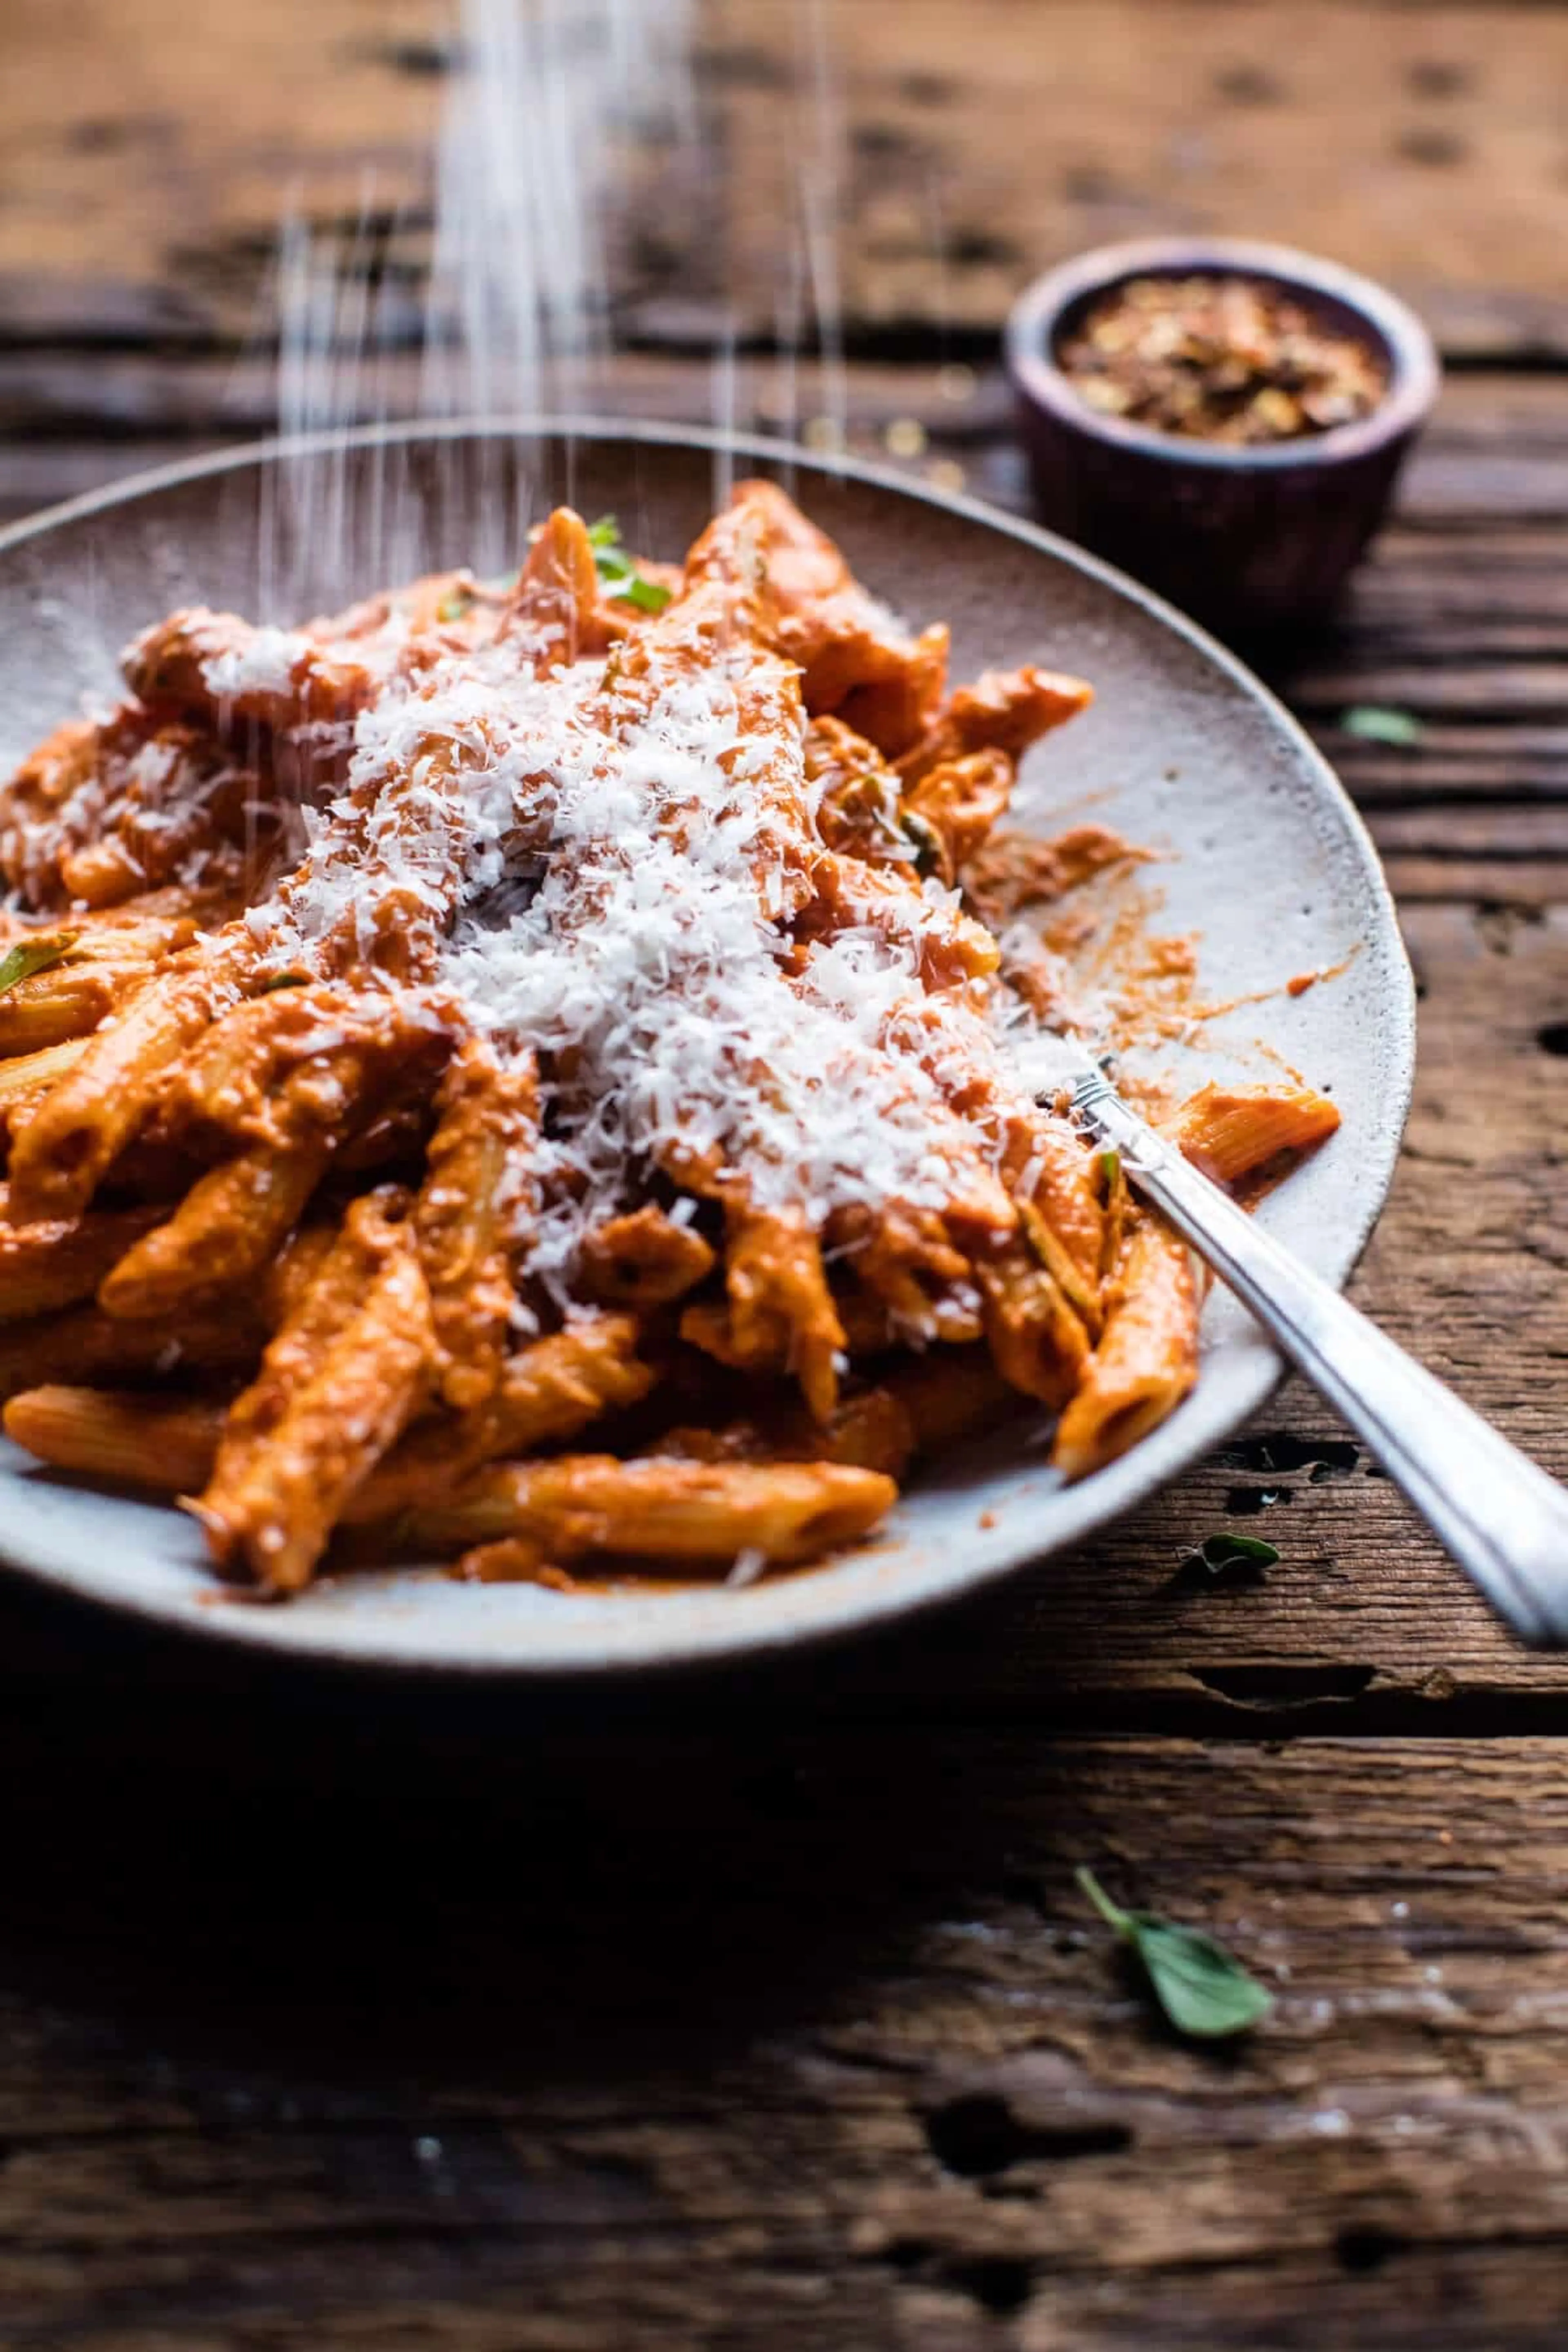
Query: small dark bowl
(1246, 537)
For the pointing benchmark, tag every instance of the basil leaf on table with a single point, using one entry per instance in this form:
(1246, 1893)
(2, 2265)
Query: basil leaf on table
(1375, 724)
(1222, 1551)
(1203, 1991)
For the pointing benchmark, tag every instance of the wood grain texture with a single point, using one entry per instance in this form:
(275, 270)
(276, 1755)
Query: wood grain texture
(962, 150)
(757, 2010)
(707, 2041)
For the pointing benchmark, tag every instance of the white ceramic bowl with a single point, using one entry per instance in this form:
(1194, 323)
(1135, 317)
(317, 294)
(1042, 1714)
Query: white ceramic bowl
(1184, 749)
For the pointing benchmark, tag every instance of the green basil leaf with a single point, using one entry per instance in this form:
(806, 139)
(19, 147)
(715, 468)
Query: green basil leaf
(1108, 1163)
(1219, 1552)
(1203, 1991)
(285, 980)
(1376, 724)
(453, 605)
(648, 596)
(618, 575)
(30, 956)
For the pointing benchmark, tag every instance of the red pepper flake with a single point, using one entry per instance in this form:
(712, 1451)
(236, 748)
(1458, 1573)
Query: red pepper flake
(1220, 359)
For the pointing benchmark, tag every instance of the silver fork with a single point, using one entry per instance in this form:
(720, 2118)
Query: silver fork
(1498, 1514)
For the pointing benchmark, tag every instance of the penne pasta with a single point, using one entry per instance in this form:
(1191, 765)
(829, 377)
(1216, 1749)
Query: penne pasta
(25, 1078)
(122, 1436)
(60, 1261)
(84, 1344)
(1036, 1342)
(644, 1259)
(584, 1009)
(472, 1214)
(229, 1224)
(701, 1514)
(338, 1385)
(781, 1308)
(1233, 1135)
(72, 1139)
(297, 1088)
(549, 1390)
(1147, 1358)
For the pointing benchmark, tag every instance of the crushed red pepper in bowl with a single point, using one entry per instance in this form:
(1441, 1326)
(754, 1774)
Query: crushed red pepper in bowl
(1224, 359)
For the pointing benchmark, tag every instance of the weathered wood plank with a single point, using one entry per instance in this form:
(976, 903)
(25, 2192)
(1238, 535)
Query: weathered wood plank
(715, 2015)
(1484, 419)
(694, 2037)
(962, 150)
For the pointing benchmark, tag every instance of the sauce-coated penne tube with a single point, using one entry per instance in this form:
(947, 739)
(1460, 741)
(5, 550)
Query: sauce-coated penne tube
(169, 1445)
(959, 801)
(234, 1218)
(1004, 710)
(69, 1001)
(556, 1386)
(1233, 1132)
(644, 1259)
(1147, 1358)
(280, 1481)
(83, 1123)
(229, 1224)
(700, 1513)
(84, 1344)
(781, 1308)
(472, 1213)
(1039, 1344)
(550, 1390)
(62, 1261)
(26, 1078)
(231, 675)
(166, 1444)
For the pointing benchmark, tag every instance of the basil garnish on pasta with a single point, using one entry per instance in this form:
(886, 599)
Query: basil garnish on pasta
(619, 574)
(29, 957)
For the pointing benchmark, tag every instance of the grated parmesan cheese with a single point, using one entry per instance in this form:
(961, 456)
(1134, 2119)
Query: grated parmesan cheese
(603, 871)
(264, 662)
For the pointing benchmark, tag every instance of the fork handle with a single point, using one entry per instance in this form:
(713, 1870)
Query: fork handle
(1497, 1512)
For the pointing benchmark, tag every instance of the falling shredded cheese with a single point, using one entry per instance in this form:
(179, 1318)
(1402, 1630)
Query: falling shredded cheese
(261, 662)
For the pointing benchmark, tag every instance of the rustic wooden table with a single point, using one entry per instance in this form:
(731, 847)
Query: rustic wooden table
(741, 2011)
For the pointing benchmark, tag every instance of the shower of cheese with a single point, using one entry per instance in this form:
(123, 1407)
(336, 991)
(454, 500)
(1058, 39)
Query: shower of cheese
(640, 954)
(547, 101)
(568, 126)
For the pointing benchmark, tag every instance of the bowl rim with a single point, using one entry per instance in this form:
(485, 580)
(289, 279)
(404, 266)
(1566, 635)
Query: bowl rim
(1415, 370)
(260, 1633)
